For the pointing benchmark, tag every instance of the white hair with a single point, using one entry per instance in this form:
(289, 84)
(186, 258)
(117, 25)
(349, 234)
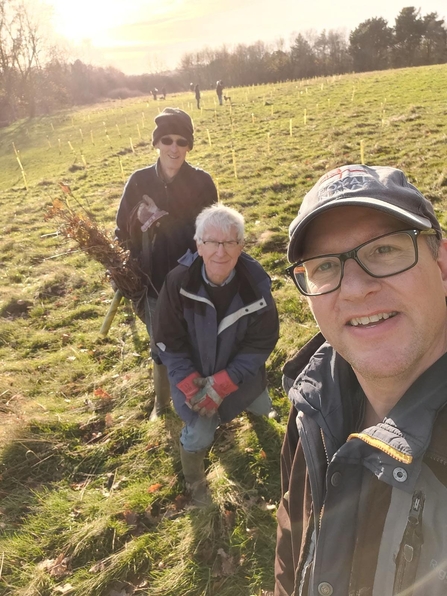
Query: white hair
(222, 217)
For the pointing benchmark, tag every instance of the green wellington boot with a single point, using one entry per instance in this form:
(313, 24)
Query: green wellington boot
(162, 391)
(194, 472)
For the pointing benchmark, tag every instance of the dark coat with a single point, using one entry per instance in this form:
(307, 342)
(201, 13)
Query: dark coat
(363, 510)
(171, 236)
(189, 338)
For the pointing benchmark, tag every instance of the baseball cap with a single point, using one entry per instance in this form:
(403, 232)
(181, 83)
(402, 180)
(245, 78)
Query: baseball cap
(377, 187)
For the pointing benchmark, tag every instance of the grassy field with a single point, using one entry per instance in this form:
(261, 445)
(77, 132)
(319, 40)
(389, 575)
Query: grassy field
(91, 497)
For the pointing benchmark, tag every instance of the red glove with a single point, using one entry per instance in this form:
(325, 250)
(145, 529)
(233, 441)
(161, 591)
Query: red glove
(222, 383)
(188, 387)
(216, 388)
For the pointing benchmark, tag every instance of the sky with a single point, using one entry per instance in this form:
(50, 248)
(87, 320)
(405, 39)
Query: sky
(138, 36)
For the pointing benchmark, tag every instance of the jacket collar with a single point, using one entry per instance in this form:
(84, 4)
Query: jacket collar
(159, 172)
(248, 276)
(328, 393)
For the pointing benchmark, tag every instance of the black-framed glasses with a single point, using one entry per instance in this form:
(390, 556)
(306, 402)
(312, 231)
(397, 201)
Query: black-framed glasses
(383, 256)
(227, 244)
(178, 142)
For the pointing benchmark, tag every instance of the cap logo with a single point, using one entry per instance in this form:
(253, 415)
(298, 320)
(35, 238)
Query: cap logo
(349, 179)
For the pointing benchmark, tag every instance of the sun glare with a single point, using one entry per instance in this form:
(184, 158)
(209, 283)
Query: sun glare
(97, 19)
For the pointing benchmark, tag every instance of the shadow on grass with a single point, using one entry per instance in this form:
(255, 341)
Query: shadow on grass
(234, 538)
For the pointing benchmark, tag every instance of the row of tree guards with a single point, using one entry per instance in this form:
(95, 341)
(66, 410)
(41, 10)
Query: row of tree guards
(293, 123)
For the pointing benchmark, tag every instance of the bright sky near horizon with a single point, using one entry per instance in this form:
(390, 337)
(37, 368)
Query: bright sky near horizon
(140, 36)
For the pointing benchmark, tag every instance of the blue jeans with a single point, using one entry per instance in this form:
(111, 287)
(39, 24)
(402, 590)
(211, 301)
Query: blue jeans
(199, 434)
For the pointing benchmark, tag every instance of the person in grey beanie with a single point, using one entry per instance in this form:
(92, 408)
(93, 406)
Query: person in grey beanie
(156, 220)
(364, 458)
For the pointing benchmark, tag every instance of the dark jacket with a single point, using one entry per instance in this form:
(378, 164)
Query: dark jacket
(189, 339)
(363, 511)
(159, 248)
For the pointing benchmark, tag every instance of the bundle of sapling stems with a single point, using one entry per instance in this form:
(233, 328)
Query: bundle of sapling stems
(122, 269)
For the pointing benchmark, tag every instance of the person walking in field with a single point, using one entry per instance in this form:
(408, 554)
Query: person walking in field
(156, 218)
(215, 326)
(197, 95)
(219, 91)
(364, 460)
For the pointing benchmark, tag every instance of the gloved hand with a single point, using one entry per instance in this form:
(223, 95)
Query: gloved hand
(190, 388)
(217, 387)
(148, 213)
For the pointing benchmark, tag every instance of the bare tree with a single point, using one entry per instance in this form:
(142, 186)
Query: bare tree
(23, 42)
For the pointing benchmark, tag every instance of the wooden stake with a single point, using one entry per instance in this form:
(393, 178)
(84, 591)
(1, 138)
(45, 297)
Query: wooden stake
(91, 136)
(209, 137)
(268, 142)
(234, 163)
(252, 118)
(131, 145)
(305, 117)
(111, 313)
(122, 169)
(24, 179)
(290, 127)
(362, 152)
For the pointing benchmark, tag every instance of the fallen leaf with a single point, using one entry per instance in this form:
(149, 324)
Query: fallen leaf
(130, 517)
(65, 188)
(226, 566)
(97, 568)
(100, 392)
(154, 488)
(180, 502)
(65, 589)
(55, 567)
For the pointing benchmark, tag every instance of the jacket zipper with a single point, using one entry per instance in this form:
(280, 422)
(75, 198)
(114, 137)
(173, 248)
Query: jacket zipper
(327, 460)
(410, 549)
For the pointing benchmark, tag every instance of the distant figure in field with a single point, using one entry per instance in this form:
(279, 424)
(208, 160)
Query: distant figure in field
(219, 91)
(156, 220)
(154, 93)
(191, 87)
(197, 94)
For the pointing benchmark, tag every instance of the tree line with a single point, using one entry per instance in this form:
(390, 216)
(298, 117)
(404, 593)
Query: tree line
(414, 40)
(36, 77)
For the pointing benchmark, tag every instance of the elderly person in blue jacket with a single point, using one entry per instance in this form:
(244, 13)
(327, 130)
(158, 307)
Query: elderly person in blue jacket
(216, 324)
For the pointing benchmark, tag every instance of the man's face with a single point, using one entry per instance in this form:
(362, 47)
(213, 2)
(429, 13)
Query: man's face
(401, 321)
(219, 262)
(171, 156)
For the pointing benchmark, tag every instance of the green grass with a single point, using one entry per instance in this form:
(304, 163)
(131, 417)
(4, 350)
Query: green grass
(91, 494)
